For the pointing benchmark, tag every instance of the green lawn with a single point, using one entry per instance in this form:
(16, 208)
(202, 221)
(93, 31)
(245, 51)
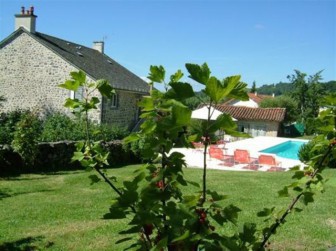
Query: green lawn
(64, 212)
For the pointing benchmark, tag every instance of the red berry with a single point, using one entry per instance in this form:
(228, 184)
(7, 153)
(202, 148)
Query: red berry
(160, 184)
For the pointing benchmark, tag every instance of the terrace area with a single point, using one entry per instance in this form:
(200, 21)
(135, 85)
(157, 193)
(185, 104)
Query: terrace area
(254, 146)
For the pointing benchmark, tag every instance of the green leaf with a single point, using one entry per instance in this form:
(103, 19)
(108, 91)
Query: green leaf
(223, 122)
(190, 200)
(177, 76)
(157, 74)
(70, 85)
(94, 101)
(298, 175)
(216, 196)
(78, 76)
(131, 138)
(184, 236)
(105, 88)
(295, 168)
(215, 90)
(181, 115)
(147, 103)
(181, 91)
(283, 192)
(200, 74)
(195, 184)
(239, 92)
(77, 156)
(71, 103)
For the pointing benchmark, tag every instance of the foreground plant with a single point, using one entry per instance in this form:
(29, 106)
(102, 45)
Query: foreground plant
(159, 212)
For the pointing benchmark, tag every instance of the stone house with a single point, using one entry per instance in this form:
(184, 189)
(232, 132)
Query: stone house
(33, 64)
(256, 121)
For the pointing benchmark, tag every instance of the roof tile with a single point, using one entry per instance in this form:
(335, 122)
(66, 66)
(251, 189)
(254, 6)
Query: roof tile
(249, 113)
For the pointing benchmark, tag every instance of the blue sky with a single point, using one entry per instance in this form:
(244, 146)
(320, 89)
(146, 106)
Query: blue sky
(263, 41)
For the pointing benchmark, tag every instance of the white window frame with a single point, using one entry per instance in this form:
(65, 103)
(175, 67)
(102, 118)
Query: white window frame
(113, 102)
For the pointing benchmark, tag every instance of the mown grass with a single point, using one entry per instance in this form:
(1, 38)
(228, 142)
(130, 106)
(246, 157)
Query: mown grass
(64, 212)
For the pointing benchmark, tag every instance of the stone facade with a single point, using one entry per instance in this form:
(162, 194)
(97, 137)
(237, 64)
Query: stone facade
(29, 77)
(125, 113)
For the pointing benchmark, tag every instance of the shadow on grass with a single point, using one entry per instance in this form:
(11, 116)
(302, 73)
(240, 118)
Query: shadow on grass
(7, 194)
(25, 244)
(4, 193)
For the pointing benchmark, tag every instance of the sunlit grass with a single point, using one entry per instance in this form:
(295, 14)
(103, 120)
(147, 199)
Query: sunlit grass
(64, 212)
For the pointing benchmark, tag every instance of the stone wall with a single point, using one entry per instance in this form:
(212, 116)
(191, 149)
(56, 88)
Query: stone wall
(126, 112)
(56, 156)
(29, 77)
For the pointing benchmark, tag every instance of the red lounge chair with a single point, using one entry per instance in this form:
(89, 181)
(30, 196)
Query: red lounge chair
(271, 162)
(268, 160)
(243, 157)
(217, 153)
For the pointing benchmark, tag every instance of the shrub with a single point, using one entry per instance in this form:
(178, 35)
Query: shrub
(308, 151)
(58, 127)
(7, 125)
(26, 136)
(108, 132)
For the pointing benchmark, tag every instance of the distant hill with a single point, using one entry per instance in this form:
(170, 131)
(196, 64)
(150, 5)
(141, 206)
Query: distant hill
(283, 88)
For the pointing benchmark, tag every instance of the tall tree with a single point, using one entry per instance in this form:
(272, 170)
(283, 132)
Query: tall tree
(254, 88)
(300, 92)
(283, 101)
(307, 93)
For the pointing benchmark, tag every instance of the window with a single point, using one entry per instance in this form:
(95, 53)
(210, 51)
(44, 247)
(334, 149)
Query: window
(79, 94)
(113, 102)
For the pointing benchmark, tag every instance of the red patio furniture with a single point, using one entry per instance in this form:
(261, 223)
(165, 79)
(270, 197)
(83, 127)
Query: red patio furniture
(241, 156)
(217, 153)
(268, 160)
(271, 162)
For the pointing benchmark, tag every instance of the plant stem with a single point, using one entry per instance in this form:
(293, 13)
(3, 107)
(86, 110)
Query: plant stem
(295, 200)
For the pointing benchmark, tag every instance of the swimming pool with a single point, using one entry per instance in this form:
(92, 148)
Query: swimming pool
(288, 149)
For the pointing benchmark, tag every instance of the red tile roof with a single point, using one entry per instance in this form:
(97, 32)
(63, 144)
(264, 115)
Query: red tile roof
(250, 113)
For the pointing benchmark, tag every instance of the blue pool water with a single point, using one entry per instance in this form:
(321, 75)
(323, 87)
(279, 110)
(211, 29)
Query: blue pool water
(288, 149)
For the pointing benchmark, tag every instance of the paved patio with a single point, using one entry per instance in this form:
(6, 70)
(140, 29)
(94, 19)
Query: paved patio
(194, 157)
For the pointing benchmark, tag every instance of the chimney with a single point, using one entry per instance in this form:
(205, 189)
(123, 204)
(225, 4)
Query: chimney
(26, 19)
(99, 46)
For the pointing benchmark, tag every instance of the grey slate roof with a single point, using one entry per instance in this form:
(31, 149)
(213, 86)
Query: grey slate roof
(92, 62)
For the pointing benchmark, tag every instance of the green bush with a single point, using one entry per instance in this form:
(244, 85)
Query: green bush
(58, 127)
(307, 152)
(7, 125)
(27, 132)
(107, 132)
